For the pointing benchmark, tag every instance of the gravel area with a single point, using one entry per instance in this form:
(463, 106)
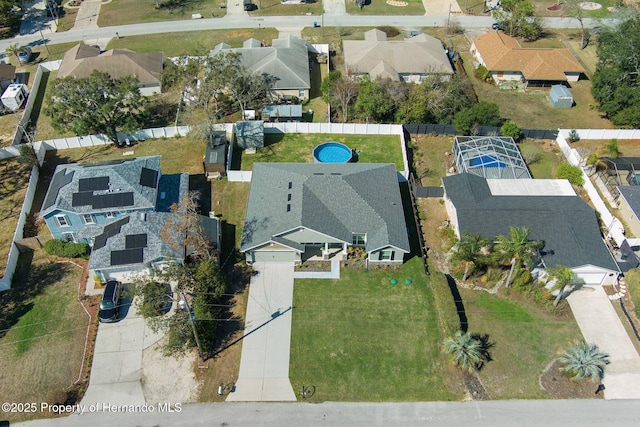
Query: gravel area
(168, 379)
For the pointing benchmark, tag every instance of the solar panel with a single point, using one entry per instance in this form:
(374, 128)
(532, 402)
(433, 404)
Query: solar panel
(100, 241)
(133, 241)
(60, 179)
(113, 200)
(126, 256)
(84, 198)
(93, 184)
(116, 225)
(148, 177)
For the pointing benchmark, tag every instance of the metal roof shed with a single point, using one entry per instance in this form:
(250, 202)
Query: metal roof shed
(250, 134)
(560, 97)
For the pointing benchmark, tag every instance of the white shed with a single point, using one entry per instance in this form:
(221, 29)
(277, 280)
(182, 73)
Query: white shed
(14, 96)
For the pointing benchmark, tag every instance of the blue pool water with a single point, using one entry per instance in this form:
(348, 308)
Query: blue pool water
(332, 152)
(487, 162)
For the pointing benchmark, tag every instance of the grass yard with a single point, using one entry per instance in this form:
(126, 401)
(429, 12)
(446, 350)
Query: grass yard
(191, 42)
(8, 123)
(229, 200)
(41, 352)
(531, 109)
(14, 179)
(430, 161)
(277, 8)
(298, 147)
(627, 147)
(178, 154)
(526, 340)
(362, 339)
(548, 156)
(381, 7)
(123, 12)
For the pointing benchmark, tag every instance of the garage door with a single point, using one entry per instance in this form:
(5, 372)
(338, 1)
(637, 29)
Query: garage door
(274, 256)
(591, 278)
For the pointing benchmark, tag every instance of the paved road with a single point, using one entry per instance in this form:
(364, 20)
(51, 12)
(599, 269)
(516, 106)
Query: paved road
(264, 364)
(517, 413)
(232, 22)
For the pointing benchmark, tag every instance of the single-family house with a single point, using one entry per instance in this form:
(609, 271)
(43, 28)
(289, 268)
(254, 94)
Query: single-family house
(507, 61)
(550, 209)
(296, 211)
(411, 60)
(629, 206)
(81, 60)
(287, 60)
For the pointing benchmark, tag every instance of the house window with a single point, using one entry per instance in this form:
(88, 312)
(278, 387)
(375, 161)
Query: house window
(109, 214)
(359, 239)
(301, 93)
(386, 255)
(68, 237)
(88, 219)
(62, 221)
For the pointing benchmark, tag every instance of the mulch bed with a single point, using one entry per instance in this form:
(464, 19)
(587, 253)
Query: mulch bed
(315, 266)
(559, 386)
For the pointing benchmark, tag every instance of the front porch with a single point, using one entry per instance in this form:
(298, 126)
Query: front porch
(326, 252)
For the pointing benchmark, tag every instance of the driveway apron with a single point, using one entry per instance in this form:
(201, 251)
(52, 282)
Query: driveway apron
(264, 364)
(601, 325)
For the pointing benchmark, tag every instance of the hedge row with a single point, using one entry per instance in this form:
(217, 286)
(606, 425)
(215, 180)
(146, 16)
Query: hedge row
(444, 303)
(66, 249)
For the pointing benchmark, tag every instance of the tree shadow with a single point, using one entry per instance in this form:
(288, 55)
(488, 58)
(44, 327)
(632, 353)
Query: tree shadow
(198, 182)
(485, 348)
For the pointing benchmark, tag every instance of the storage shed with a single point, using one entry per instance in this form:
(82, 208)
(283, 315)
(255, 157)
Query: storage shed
(215, 155)
(250, 134)
(282, 113)
(15, 96)
(560, 97)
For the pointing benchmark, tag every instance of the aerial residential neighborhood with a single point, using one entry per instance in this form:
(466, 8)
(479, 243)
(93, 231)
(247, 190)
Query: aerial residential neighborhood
(220, 211)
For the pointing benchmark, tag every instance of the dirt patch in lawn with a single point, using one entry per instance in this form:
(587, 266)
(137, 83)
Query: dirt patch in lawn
(560, 386)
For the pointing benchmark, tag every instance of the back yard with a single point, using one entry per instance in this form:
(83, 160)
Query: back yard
(298, 147)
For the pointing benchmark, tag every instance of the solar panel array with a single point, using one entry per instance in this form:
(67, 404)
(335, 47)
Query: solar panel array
(126, 256)
(148, 177)
(133, 241)
(109, 231)
(59, 180)
(93, 184)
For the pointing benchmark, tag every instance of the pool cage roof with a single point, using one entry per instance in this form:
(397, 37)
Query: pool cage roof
(490, 157)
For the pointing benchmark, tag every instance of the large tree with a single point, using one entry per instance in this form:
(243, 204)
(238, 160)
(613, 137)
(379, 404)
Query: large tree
(97, 104)
(469, 250)
(517, 18)
(616, 82)
(517, 248)
(483, 113)
(343, 92)
(372, 102)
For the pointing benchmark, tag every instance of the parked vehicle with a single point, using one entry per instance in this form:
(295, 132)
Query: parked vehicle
(24, 55)
(110, 304)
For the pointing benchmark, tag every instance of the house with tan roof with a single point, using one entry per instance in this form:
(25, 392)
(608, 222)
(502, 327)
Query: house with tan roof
(410, 60)
(508, 61)
(81, 60)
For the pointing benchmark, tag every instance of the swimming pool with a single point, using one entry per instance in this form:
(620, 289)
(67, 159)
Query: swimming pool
(332, 152)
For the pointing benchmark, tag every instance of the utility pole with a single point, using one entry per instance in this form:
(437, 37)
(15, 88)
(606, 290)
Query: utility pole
(193, 326)
(448, 18)
(43, 39)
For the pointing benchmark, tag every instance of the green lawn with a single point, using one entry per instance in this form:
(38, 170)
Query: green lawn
(550, 158)
(526, 339)
(362, 339)
(14, 179)
(277, 8)
(298, 147)
(381, 7)
(41, 352)
(178, 154)
(123, 12)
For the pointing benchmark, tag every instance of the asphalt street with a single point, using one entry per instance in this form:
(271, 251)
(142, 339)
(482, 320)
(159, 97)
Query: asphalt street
(520, 413)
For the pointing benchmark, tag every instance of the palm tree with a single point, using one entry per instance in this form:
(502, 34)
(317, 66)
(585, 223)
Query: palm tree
(563, 276)
(611, 148)
(584, 360)
(14, 50)
(467, 350)
(468, 249)
(517, 247)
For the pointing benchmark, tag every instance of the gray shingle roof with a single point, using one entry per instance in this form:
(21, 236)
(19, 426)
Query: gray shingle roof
(333, 199)
(566, 224)
(123, 175)
(155, 249)
(632, 195)
(287, 59)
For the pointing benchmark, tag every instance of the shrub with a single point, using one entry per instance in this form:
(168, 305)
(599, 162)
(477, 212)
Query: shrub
(511, 129)
(66, 249)
(532, 154)
(483, 73)
(573, 136)
(570, 172)
(444, 303)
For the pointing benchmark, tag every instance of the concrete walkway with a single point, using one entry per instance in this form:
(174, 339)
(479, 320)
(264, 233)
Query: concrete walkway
(117, 361)
(87, 16)
(334, 6)
(601, 325)
(264, 364)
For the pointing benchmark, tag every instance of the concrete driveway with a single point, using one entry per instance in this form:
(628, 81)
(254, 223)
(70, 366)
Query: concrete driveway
(264, 364)
(601, 325)
(117, 360)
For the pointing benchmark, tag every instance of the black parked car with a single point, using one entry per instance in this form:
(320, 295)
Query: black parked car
(110, 304)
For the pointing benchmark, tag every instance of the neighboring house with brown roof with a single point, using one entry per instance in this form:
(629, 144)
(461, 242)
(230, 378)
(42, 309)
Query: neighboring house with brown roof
(411, 60)
(81, 60)
(508, 61)
(7, 75)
